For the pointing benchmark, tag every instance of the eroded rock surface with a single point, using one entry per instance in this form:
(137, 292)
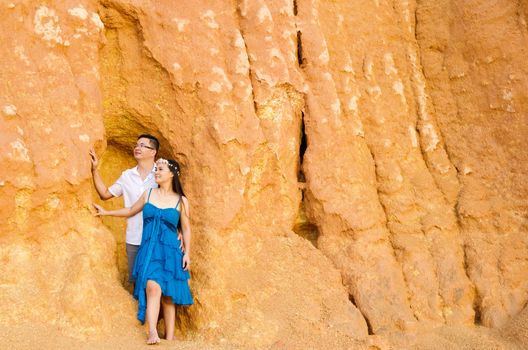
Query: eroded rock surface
(351, 166)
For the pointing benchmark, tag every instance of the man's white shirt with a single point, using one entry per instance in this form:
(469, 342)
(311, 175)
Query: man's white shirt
(131, 187)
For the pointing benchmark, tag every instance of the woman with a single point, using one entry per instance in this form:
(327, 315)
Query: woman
(161, 269)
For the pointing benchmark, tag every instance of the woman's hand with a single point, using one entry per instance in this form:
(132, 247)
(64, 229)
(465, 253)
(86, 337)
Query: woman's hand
(186, 262)
(100, 210)
(180, 238)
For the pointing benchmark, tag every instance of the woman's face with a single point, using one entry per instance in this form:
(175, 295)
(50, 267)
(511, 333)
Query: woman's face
(162, 174)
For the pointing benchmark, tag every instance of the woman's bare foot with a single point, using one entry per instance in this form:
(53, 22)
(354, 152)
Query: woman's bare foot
(170, 338)
(153, 338)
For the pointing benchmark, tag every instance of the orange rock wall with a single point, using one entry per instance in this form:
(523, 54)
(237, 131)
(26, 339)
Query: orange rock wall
(351, 166)
(473, 60)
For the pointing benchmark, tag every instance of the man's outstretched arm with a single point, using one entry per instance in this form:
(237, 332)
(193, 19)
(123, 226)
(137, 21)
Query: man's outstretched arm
(101, 188)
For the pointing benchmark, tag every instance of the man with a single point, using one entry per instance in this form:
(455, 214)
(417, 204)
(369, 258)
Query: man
(131, 184)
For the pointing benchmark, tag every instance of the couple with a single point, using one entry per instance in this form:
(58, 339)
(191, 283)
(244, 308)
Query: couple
(156, 261)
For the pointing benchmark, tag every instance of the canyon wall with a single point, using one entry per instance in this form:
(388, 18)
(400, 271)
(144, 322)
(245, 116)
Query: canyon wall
(353, 168)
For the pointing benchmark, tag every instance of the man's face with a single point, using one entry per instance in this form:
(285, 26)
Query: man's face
(143, 149)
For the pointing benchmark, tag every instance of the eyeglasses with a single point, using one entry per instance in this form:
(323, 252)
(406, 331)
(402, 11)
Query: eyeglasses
(142, 145)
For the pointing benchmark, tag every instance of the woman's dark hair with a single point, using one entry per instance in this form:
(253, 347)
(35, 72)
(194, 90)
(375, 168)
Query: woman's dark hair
(177, 187)
(174, 168)
(152, 139)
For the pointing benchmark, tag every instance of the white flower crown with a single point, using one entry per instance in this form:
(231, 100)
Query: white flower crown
(170, 165)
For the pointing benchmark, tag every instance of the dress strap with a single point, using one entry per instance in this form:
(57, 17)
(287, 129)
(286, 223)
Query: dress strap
(176, 207)
(148, 198)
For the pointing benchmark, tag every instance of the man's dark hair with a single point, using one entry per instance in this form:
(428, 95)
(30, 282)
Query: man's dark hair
(152, 139)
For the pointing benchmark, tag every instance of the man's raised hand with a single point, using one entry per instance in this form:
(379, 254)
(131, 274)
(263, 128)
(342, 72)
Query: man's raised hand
(93, 159)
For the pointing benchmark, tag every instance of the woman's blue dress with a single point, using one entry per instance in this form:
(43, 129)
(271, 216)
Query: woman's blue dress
(159, 258)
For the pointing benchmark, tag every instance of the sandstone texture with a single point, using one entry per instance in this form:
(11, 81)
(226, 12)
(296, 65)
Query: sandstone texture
(356, 169)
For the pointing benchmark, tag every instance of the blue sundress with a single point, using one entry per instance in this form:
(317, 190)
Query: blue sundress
(159, 258)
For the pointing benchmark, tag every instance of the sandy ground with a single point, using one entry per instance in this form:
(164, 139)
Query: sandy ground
(46, 337)
(513, 336)
(477, 338)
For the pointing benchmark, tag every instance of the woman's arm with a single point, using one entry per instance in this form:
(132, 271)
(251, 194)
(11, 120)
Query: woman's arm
(123, 212)
(186, 231)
